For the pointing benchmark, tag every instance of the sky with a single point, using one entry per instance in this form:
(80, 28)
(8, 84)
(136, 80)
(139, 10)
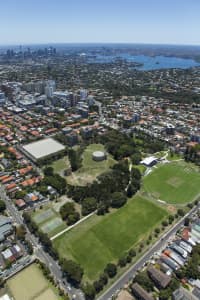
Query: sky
(100, 21)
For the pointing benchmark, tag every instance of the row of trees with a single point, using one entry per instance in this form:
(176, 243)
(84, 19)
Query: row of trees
(21, 235)
(43, 237)
(70, 269)
(109, 272)
(46, 272)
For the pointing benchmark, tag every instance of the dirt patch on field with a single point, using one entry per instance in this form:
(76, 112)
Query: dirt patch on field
(175, 181)
(171, 208)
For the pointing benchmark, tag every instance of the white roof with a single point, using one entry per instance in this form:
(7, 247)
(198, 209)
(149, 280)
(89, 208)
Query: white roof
(98, 154)
(43, 148)
(17, 248)
(7, 253)
(148, 160)
(197, 283)
(5, 297)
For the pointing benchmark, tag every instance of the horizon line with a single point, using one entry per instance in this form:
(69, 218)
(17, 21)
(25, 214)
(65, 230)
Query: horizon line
(96, 43)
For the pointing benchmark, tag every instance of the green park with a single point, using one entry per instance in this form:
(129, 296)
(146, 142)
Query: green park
(103, 239)
(90, 169)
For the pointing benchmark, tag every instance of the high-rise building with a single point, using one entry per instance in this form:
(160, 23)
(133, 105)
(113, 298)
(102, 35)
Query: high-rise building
(2, 98)
(83, 94)
(50, 88)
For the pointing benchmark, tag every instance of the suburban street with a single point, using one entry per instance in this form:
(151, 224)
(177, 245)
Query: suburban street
(126, 277)
(39, 252)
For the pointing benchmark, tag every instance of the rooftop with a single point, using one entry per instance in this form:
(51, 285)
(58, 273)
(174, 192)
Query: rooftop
(43, 148)
(161, 278)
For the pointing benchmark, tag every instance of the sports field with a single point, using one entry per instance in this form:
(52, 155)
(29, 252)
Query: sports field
(103, 239)
(175, 183)
(30, 284)
(49, 219)
(90, 169)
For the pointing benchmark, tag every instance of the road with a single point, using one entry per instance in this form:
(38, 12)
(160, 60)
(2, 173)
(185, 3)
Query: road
(39, 252)
(126, 277)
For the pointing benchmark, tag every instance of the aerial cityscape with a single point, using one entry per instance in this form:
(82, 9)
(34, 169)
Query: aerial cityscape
(100, 150)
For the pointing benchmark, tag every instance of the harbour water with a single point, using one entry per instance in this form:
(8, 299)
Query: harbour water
(148, 62)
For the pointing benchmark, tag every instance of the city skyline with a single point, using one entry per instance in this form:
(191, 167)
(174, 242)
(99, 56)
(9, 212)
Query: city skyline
(35, 22)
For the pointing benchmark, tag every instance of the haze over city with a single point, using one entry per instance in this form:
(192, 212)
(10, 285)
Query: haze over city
(121, 21)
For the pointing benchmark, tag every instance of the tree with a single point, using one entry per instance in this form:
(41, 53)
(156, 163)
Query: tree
(111, 270)
(69, 214)
(45, 240)
(132, 189)
(98, 285)
(171, 219)
(190, 205)
(122, 261)
(48, 171)
(20, 194)
(29, 247)
(73, 218)
(103, 278)
(187, 222)
(165, 294)
(89, 291)
(56, 181)
(21, 232)
(136, 175)
(2, 206)
(42, 189)
(89, 205)
(75, 159)
(72, 270)
(136, 158)
(67, 209)
(128, 258)
(180, 212)
(102, 209)
(118, 199)
(124, 151)
(2, 282)
(164, 223)
(132, 252)
(157, 230)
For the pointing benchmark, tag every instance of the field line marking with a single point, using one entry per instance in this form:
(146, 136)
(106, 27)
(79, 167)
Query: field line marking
(72, 226)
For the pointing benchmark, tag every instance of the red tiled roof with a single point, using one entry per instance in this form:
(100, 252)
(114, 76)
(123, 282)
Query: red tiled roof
(26, 170)
(11, 186)
(10, 178)
(20, 202)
